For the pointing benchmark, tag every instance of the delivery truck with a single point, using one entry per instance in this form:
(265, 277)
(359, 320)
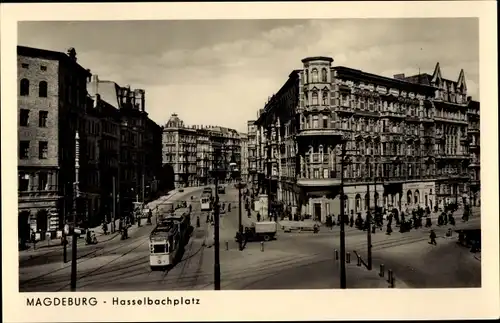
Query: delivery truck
(259, 231)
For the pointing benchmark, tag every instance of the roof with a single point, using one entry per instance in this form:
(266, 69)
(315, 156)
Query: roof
(317, 58)
(108, 91)
(51, 55)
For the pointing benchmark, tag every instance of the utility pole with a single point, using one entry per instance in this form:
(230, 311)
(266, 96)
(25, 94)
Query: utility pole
(113, 215)
(76, 193)
(216, 227)
(342, 222)
(369, 219)
(240, 185)
(65, 237)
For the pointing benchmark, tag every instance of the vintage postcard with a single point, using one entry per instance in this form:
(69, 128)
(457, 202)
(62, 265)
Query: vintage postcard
(200, 161)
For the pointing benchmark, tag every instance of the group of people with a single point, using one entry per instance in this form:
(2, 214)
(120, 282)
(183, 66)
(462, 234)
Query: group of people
(413, 219)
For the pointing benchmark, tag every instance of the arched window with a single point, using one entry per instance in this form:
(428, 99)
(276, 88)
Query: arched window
(315, 98)
(358, 203)
(325, 98)
(324, 75)
(24, 87)
(314, 75)
(42, 89)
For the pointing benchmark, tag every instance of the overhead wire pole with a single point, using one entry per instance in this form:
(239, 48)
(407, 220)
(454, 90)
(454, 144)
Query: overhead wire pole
(76, 194)
(342, 222)
(216, 225)
(369, 220)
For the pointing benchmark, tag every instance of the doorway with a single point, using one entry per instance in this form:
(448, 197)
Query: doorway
(317, 211)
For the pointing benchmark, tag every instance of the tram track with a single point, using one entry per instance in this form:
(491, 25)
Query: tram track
(141, 242)
(39, 280)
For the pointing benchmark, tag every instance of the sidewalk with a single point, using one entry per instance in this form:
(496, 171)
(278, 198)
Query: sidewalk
(48, 245)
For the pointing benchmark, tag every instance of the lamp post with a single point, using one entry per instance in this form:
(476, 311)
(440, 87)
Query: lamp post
(217, 152)
(342, 222)
(76, 193)
(240, 185)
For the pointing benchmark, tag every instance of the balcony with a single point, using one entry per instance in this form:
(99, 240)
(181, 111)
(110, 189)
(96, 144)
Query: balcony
(445, 156)
(473, 130)
(317, 182)
(392, 114)
(474, 145)
(449, 120)
(344, 107)
(475, 162)
(319, 132)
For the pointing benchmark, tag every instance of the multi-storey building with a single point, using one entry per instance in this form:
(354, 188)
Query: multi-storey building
(179, 151)
(252, 153)
(474, 194)
(204, 156)
(52, 100)
(405, 140)
(109, 153)
(139, 140)
(244, 156)
(189, 151)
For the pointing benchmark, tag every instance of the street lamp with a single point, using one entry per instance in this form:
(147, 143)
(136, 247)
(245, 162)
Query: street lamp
(216, 171)
(342, 216)
(239, 185)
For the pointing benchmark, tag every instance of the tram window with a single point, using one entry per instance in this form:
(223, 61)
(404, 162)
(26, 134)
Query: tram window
(160, 248)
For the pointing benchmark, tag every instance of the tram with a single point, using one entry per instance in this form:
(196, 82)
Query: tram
(206, 202)
(168, 237)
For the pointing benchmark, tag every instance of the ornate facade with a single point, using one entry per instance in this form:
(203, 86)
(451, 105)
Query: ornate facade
(189, 150)
(405, 137)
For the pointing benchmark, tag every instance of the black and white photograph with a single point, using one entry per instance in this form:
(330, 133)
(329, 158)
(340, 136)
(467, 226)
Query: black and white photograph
(249, 154)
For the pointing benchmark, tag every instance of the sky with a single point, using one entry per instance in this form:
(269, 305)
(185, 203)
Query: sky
(221, 72)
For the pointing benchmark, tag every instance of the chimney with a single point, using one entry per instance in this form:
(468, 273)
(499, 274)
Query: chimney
(97, 98)
(89, 76)
(95, 84)
(400, 77)
(72, 53)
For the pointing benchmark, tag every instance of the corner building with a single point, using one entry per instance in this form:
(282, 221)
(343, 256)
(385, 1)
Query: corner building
(406, 140)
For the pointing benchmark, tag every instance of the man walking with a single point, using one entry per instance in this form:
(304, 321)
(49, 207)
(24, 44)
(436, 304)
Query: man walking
(432, 236)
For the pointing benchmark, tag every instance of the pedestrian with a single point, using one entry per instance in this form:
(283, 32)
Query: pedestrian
(258, 216)
(338, 219)
(432, 236)
(105, 227)
(389, 230)
(329, 222)
(351, 221)
(33, 239)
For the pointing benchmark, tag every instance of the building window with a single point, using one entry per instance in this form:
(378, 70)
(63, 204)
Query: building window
(306, 76)
(42, 119)
(24, 180)
(315, 98)
(43, 149)
(324, 76)
(42, 89)
(24, 149)
(25, 87)
(315, 122)
(43, 68)
(24, 117)
(43, 183)
(315, 75)
(25, 65)
(325, 98)
(325, 122)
